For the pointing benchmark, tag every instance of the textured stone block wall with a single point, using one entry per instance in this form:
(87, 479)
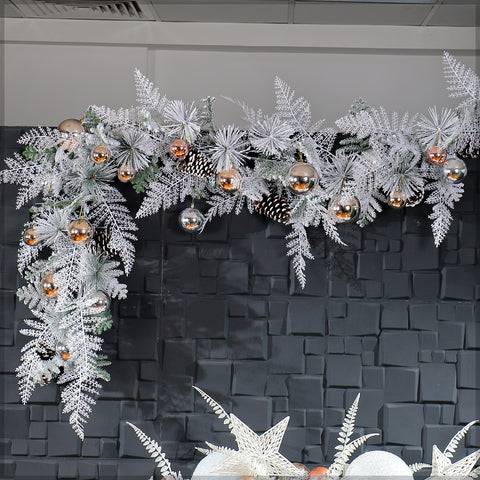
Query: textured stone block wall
(390, 316)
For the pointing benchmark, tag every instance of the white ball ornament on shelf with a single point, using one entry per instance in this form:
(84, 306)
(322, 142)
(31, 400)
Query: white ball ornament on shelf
(206, 466)
(191, 220)
(380, 465)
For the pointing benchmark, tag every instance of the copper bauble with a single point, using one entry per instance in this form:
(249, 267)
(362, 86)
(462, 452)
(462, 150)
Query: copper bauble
(318, 472)
(179, 148)
(50, 290)
(97, 302)
(62, 350)
(229, 180)
(100, 154)
(71, 127)
(397, 199)
(80, 231)
(126, 173)
(454, 170)
(302, 178)
(436, 155)
(30, 236)
(344, 210)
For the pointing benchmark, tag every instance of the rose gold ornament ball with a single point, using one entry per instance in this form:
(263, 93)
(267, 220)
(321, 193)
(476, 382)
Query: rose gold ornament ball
(436, 155)
(126, 173)
(179, 148)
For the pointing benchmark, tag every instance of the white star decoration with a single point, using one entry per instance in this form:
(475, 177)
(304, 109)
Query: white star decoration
(257, 455)
(442, 466)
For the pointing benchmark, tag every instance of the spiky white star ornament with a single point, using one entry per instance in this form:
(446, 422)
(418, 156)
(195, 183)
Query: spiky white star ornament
(257, 455)
(442, 465)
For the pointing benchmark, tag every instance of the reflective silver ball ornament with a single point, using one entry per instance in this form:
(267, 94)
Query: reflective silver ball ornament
(302, 178)
(344, 210)
(191, 220)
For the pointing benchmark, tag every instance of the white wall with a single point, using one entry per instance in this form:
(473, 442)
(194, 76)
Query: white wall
(54, 69)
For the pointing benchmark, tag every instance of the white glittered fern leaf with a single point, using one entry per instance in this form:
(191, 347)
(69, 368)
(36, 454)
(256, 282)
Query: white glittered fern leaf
(462, 81)
(155, 451)
(216, 407)
(298, 250)
(148, 96)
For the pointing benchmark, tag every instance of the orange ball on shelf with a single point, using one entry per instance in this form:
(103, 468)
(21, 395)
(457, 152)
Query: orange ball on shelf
(318, 472)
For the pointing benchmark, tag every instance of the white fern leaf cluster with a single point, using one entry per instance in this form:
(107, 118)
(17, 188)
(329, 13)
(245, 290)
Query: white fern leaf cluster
(148, 96)
(216, 407)
(155, 451)
(345, 447)
(171, 187)
(443, 197)
(295, 111)
(182, 120)
(416, 467)
(462, 81)
(299, 249)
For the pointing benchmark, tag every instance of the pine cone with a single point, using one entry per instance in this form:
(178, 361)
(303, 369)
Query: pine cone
(274, 206)
(197, 163)
(44, 352)
(101, 240)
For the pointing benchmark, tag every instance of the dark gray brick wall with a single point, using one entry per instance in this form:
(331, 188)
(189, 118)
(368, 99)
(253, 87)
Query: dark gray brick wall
(389, 316)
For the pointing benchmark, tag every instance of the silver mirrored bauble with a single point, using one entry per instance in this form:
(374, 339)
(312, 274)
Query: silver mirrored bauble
(191, 220)
(302, 178)
(454, 170)
(62, 350)
(50, 290)
(97, 302)
(344, 210)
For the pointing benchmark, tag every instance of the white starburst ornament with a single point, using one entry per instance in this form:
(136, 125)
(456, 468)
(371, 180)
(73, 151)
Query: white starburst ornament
(257, 455)
(442, 465)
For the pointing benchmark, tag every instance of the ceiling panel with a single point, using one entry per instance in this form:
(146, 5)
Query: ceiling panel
(454, 15)
(341, 13)
(257, 12)
(333, 12)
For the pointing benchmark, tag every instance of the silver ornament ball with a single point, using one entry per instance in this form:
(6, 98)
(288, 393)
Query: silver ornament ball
(97, 302)
(344, 210)
(62, 350)
(454, 169)
(191, 220)
(302, 178)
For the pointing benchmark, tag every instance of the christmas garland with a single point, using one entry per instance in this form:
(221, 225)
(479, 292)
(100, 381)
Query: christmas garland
(258, 456)
(80, 237)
